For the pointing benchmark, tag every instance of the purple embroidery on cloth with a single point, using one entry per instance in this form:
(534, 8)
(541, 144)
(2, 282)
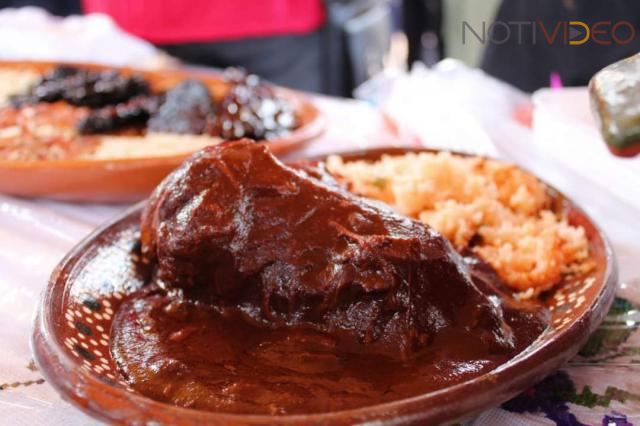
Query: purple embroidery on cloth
(616, 419)
(546, 397)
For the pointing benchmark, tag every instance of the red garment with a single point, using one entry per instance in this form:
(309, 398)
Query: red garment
(183, 21)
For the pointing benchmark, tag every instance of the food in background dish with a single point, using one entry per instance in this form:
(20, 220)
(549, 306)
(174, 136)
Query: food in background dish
(272, 289)
(499, 212)
(186, 110)
(81, 87)
(72, 112)
(250, 109)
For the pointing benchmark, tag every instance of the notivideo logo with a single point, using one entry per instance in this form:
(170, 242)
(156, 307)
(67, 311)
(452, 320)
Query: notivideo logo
(573, 33)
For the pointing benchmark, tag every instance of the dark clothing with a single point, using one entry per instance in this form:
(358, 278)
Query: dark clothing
(334, 60)
(528, 62)
(55, 7)
(420, 17)
(292, 61)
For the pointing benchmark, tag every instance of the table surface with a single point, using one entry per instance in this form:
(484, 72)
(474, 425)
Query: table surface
(602, 387)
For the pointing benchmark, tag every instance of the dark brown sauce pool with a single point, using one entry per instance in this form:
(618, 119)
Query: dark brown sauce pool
(193, 356)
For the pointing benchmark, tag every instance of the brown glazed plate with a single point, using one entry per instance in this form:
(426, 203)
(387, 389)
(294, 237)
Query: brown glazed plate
(72, 336)
(124, 178)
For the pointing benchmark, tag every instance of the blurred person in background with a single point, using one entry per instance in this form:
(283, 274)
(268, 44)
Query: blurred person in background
(324, 46)
(280, 40)
(523, 42)
(527, 62)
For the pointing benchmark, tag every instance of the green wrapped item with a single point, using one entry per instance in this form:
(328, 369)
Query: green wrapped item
(615, 101)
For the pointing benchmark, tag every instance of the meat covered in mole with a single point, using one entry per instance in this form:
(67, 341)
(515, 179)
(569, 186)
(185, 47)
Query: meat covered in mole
(236, 229)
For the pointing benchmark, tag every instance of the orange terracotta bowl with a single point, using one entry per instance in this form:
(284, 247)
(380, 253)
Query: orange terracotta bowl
(72, 337)
(131, 179)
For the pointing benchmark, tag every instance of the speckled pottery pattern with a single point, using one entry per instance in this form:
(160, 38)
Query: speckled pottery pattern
(91, 319)
(89, 316)
(73, 334)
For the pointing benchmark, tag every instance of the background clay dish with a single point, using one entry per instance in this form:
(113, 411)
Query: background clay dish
(73, 326)
(131, 179)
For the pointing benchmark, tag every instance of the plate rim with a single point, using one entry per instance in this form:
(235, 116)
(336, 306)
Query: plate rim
(532, 365)
(313, 127)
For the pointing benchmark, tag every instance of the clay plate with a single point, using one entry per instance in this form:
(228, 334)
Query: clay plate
(73, 330)
(131, 179)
